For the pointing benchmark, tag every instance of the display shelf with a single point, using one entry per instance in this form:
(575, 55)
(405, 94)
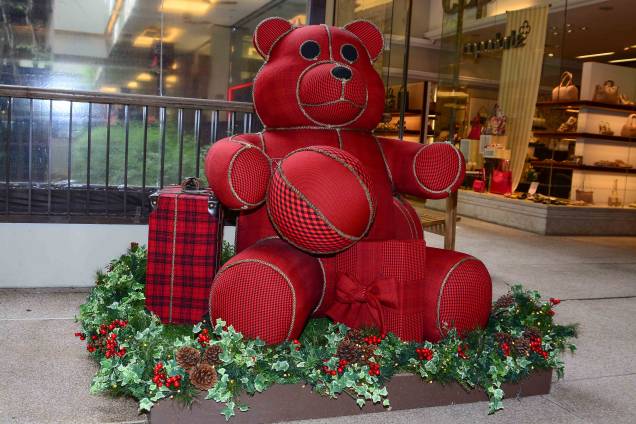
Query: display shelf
(411, 112)
(555, 134)
(589, 103)
(558, 165)
(395, 132)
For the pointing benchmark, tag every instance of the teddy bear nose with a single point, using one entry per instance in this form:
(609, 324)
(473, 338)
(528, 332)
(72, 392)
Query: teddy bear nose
(341, 73)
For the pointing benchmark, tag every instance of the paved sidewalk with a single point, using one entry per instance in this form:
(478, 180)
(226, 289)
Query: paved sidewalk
(46, 373)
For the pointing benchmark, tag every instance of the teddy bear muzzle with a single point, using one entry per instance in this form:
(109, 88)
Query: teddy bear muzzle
(332, 93)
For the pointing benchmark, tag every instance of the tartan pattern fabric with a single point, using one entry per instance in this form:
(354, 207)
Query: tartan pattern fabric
(183, 253)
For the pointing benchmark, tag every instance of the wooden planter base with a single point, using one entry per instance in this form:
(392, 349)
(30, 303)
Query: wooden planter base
(295, 402)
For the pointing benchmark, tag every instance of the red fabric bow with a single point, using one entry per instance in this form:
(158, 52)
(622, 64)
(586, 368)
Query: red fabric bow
(358, 305)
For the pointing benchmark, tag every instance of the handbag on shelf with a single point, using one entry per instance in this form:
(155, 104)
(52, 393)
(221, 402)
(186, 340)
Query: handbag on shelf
(607, 93)
(566, 91)
(475, 128)
(496, 122)
(583, 195)
(629, 129)
(479, 186)
(501, 181)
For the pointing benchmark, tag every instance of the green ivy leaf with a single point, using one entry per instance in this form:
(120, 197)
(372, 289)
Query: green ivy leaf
(145, 404)
(280, 366)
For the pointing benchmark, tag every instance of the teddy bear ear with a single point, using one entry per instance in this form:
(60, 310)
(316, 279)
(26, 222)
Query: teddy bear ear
(268, 32)
(370, 36)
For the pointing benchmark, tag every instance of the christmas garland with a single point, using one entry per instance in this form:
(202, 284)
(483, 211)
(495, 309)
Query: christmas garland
(142, 358)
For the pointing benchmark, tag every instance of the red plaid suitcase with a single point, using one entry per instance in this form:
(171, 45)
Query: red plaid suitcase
(184, 250)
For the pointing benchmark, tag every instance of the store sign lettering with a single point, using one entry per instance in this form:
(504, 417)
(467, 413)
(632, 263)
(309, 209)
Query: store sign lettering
(451, 6)
(516, 39)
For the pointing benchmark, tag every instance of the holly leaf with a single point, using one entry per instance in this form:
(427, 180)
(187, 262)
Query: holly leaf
(145, 404)
(360, 402)
(280, 366)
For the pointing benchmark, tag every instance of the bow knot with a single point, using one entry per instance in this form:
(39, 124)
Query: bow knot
(357, 303)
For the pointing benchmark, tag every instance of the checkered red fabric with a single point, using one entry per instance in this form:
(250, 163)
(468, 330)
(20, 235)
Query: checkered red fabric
(307, 194)
(458, 293)
(432, 171)
(183, 253)
(390, 273)
(267, 291)
(407, 223)
(238, 172)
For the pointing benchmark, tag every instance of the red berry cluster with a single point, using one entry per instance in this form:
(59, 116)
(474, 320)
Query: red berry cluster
(204, 337)
(297, 343)
(461, 351)
(339, 370)
(374, 368)
(505, 348)
(81, 336)
(555, 301)
(535, 346)
(160, 376)
(112, 348)
(424, 353)
(374, 339)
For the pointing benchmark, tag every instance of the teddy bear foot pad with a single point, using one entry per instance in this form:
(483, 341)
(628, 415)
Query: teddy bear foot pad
(296, 402)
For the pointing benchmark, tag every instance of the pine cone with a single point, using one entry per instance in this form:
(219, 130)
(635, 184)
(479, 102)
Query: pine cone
(504, 338)
(354, 352)
(188, 357)
(203, 377)
(504, 302)
(532, 332)
(211, 355)
(521, 346)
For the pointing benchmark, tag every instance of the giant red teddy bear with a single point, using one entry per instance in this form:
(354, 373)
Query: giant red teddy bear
(323, 230)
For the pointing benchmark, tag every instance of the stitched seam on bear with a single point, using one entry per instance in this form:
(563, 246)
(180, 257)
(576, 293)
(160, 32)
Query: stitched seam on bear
(339, 138)
(332, 102)
(229, 175)
(402, 208)
(329, 41)
(386, 164)
(441, 289)
(275, 268)
(366, 189)
(324, 286)
(445, 190)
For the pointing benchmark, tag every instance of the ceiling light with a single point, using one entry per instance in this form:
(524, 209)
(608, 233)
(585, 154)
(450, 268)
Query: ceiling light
(626, 48)
(586, 56)
(108, 89)
(133, 84)
(632, 59)
(150, 35)
(113, 16)
(551, 54)
(193, 7)
(583, 28)
(171, 79)
(144, 76)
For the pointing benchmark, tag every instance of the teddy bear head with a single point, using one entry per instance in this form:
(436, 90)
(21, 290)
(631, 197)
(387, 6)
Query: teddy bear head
(318, 75)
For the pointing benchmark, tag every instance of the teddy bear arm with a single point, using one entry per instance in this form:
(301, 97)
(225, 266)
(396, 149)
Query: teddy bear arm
(430, 171)
(238, 171)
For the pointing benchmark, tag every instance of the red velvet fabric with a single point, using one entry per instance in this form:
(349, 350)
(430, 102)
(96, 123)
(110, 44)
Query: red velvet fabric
(318, 87)
(183, 253)
(267, 291)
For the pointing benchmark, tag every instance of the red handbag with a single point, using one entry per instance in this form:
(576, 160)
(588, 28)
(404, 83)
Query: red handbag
(184, 245)
(480, 185)
(501, 181)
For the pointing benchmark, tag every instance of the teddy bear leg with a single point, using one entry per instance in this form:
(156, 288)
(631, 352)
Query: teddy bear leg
(267, 291)
(459, 293)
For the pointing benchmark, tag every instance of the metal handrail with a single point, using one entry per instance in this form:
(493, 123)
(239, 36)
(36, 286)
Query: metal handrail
(18, 91)
(25, 198)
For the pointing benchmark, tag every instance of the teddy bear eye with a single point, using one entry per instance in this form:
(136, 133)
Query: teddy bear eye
(349, 53)
(310, 50)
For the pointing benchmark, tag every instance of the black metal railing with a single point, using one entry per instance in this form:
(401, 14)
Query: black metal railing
(76, 156)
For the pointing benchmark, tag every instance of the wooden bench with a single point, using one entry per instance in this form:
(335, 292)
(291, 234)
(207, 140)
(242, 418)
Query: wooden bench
(442, 223)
